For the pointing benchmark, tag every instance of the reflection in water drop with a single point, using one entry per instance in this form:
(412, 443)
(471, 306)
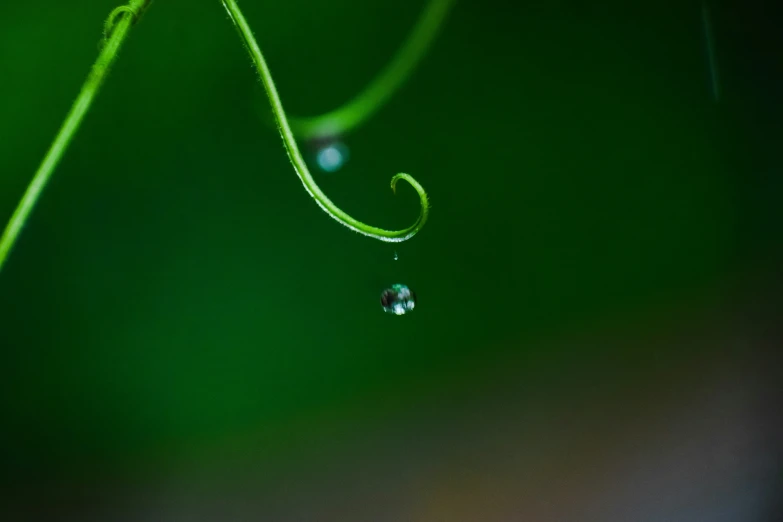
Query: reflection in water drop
(398, 300)
(332, 156)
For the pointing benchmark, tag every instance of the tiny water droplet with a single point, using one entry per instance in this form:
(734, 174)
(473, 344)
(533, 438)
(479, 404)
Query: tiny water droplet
(398, 300)
(396, 256)
(331, 154)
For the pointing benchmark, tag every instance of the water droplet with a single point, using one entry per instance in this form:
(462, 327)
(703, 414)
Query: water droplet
(396, 256)
(398, 300)
(332, 156)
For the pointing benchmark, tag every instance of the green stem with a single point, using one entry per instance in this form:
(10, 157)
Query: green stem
(296, 157)
(380, 89)
(116, 30)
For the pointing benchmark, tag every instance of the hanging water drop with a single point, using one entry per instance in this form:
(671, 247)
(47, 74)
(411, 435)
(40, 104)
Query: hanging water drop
(331, 154)
(398, 300)
(396, 256)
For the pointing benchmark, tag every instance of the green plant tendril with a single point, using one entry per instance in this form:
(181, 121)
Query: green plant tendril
(116, 29)
(380, 89)
(109, 24)
(295, 156)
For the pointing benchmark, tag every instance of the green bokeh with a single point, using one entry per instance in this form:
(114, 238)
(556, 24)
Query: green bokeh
(177, 293)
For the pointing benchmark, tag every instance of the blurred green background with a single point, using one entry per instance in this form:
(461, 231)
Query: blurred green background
(177, 296)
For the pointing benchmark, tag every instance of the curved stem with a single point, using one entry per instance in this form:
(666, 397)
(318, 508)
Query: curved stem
(116, 30)
(380, 89)
(296, 157)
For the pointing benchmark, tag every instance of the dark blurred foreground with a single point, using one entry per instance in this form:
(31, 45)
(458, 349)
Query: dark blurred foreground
(688, 430)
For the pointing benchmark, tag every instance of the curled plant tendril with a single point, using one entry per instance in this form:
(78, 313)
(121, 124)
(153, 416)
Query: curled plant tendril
(109, 25)
(392, 236)
(116, 30)
(132, 9)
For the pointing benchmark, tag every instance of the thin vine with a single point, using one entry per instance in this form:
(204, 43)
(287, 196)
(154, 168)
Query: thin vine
(116, 30)
(359, 109)
(296, 158)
